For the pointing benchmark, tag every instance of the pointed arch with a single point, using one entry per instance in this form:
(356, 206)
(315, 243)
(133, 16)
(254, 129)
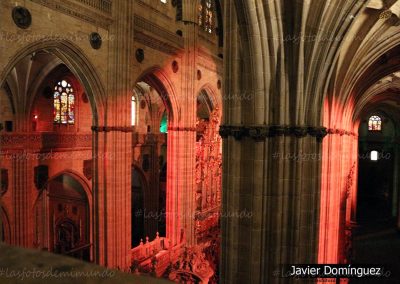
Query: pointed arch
(214, 95)
(74, 58)
(160, 80)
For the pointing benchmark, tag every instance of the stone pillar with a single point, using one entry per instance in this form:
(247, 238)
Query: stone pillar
(21, 181)
(187, 133)
(113, 147)
(174, 193)
(338, 193)
(271, 158)
(270, 201)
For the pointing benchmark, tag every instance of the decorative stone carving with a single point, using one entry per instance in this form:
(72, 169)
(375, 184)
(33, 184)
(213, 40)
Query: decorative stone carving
(192, 267)
(95, 40)
(175, 66)
(112, 128)
(349, 182)
(258, 133)
(21, 17)
(261, 132)
(317, 132)
(208, 163)
(341, 132)
(189, 129)
(44, 141)
(299, 131)
(97, 12)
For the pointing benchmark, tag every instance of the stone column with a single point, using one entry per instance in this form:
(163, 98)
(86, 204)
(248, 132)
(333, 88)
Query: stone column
(113, 147)
(21, 182)
(187, 133)
(270, 200)
(271, 159)
(174, 193)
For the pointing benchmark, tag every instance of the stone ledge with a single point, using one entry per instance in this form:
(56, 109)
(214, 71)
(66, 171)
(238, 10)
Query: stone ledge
(20, 261)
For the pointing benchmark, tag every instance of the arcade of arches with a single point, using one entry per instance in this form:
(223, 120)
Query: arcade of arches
(203, 141)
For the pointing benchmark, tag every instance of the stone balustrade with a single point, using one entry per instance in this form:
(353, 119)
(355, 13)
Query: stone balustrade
(146, 250)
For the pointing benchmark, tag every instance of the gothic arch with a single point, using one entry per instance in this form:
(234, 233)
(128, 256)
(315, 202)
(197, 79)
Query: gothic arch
(214, 95)
(79, 178)
(160, 80)
(78, 200)
(351, 91)
(40, 79)
(73, 57)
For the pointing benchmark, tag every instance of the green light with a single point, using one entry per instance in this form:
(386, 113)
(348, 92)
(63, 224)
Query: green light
(164, 123)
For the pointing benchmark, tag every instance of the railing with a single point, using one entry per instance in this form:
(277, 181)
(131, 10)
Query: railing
(102, 5)
(149, 249)
(155, 257)
(44, 140)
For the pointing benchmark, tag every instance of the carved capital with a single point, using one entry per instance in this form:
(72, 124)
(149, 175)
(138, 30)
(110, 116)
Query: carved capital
(317, 132)
(224, 131)
(299, 131)
(258, 133)
(261, 132)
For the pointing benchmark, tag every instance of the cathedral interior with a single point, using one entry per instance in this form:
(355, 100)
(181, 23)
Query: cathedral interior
(201, 141)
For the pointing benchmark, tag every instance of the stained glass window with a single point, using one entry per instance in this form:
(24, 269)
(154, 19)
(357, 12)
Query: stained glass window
(206, 15)
(374, 123)
(64, 103)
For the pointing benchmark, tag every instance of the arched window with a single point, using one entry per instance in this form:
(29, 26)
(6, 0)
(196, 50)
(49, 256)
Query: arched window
(133, 110)
(64, 103)
(375, 123)
(164, 123)
(206, 15)
(374, 155)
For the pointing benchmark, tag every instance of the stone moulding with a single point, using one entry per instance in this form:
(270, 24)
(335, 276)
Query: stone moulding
(191, 129)
(97, 12)
(143, 24)
(156, 44)
(156, 37)
(340, 132)
(44, 141)
(112, 128)
(261, 132)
